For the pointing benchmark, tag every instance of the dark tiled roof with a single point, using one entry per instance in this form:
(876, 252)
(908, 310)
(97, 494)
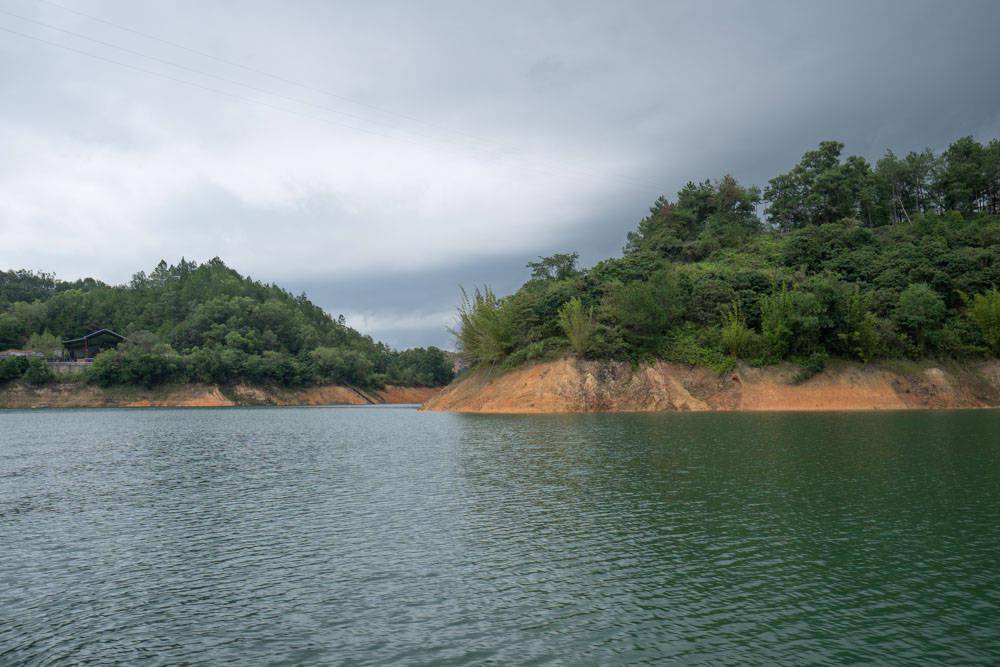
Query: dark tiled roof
(92, 334)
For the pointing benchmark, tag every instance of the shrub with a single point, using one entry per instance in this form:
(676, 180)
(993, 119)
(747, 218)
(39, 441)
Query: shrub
(860, 335)
(862, 340)
(737, 337)
(12, 368)
(577, 324)
(107, 368)
(647, 310)
(812, 366)
(920, 313)
(275, 367)
(605, 343)
(710, 297)
(204, 364)
(776, 311)
(959, 338)
(684, 346)
(791, 322)
(985, 312)
(45, 343)
(528, 353)
(549, 348)
(38, 372)
(135, 366)
(483, 334)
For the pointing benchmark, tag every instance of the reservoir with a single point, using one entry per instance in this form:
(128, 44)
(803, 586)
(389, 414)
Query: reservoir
(387, 536)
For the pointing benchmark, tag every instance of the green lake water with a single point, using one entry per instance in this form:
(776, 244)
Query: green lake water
(388, 536)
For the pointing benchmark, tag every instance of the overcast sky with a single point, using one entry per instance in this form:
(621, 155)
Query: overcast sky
(378, 155)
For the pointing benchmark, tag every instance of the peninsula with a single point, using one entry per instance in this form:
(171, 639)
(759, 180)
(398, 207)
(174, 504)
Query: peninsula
(840, 285)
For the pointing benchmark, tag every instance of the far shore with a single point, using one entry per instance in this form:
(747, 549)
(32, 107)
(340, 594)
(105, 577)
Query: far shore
(70, 394)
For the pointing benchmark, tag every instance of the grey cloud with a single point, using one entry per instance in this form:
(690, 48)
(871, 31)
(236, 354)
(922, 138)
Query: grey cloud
(546, 127)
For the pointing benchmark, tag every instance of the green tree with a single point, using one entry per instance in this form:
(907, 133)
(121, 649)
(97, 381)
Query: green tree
(961, 177)
(647, 310)
(660, 233)
(555, 267)
(991, 172)
(906, 185)
(426, 367)
(342, 366)
(723, 211)
(12, 331)
(820, 189)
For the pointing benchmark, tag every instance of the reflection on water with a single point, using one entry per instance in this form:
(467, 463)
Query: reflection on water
(387, 536)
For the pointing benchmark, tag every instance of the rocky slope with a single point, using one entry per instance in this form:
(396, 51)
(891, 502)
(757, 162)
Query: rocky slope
(571, 385)
(81, 395)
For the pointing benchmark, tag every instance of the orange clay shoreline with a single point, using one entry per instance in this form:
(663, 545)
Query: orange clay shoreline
(573, 385)
(81, 395)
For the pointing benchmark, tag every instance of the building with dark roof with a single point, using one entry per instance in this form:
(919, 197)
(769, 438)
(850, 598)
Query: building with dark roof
(86, 347)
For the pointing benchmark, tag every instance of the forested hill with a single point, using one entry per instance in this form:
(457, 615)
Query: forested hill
(205, 322)
(835, 258)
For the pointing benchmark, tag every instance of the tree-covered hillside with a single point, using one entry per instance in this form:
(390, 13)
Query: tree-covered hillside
(205, 322)
(837, 257)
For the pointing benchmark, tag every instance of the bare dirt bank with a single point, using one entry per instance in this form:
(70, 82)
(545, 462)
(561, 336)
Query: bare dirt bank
(81, 395)
(572, 385)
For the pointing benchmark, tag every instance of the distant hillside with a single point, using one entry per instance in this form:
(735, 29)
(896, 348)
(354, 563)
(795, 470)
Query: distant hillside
(205, 323)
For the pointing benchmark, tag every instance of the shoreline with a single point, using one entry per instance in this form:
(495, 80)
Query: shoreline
(19, 395)
(569, 385)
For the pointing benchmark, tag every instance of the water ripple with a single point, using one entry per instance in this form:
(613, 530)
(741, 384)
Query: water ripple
(368, 536)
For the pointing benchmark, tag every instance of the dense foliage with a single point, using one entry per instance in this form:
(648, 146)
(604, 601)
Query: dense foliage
(837, 258)
(206, 323)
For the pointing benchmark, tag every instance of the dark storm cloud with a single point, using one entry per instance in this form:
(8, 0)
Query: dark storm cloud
(542, 127)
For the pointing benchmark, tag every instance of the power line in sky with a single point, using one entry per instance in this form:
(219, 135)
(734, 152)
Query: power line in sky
(255, 70)
(250, 100)
(234, 82)
(210, 89)
(494, 146)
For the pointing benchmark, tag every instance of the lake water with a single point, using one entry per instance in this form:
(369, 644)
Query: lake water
(385, 535)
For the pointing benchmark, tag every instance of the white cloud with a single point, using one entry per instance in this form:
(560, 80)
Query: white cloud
(285, 197)
(372, 321)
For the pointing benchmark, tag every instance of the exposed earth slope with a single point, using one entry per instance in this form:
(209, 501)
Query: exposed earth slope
(572, 385)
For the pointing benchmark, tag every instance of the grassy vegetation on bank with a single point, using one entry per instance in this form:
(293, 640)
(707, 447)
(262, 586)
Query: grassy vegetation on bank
(850, 260)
